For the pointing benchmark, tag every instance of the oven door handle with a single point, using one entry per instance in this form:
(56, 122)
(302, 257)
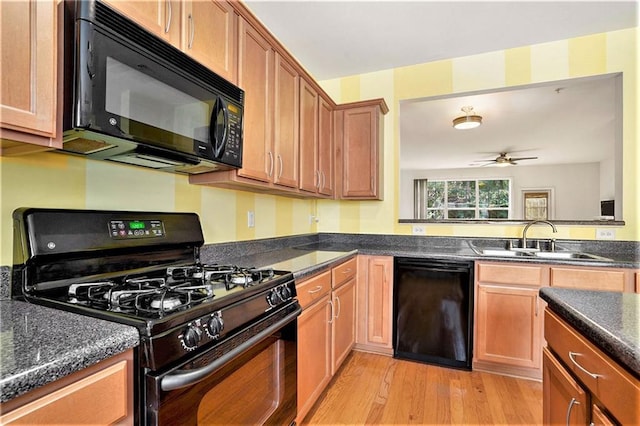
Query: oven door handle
(183, 378)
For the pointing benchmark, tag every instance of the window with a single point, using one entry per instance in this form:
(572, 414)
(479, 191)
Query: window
(462, 199)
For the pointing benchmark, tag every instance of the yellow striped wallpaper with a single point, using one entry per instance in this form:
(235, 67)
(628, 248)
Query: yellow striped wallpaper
(578, 57)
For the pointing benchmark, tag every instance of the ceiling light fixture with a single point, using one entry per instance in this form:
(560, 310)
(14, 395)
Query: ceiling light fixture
(467, 121)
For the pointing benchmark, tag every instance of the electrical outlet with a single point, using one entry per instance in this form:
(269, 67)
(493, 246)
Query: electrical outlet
(251, 219)
(418, 230)
(605, 234)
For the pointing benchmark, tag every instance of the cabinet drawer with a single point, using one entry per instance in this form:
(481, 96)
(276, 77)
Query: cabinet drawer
(618, 390)
(313, 289)
(342, 273)
(588, 279)
(101, 398)
(502, 273)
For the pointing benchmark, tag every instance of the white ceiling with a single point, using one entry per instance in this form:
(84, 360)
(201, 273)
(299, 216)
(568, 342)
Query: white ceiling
(340, 38)
(576, 124)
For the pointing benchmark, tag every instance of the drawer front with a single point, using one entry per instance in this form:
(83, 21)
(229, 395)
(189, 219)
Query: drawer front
(344, 272)
(588, 279)
(510, 274)
(101, 398)
(607, 380)
(313, 289)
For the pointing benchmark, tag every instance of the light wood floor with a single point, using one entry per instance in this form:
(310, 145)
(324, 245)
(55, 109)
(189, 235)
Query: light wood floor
(376, 389)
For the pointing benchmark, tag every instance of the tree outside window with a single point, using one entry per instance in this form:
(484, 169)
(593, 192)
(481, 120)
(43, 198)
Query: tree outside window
(462, 199)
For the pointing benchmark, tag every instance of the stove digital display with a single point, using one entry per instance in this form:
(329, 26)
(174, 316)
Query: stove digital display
(126, 229)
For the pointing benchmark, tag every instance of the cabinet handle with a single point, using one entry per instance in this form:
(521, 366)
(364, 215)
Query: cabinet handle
(315, 289)
(324, 180)
(339, 307)
(331, 303)
(537, 302)
(270, 164)
(571, 404)
(573, 360)
(281, 166)
(347, 271)
(318, 181)
(169, 16)
(192, 27)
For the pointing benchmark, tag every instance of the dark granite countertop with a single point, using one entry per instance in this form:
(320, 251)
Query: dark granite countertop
(39, 345)
(610, 320)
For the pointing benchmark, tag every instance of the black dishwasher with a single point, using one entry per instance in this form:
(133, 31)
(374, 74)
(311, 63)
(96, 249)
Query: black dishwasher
(433, 311)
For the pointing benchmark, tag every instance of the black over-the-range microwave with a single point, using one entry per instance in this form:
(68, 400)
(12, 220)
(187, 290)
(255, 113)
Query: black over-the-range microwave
(131, 97)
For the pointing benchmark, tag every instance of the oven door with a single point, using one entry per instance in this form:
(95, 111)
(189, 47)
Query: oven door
(250, 378)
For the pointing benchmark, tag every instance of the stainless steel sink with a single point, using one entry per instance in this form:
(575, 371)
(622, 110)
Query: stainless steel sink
(573, 255)
(500, 252)
(529, 253)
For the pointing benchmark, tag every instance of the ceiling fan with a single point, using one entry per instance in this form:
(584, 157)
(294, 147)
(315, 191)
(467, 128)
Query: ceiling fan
(504, 159)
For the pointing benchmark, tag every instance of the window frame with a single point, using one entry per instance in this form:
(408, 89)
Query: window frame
(421, 208)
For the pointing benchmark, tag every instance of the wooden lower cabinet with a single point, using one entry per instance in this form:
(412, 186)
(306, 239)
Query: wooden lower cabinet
(374, 325)
(591, 278)
(613, 394)
(508, 318)
(326, 330)
(564, 401)
(99, 395)
(314, 353)
(343, 323)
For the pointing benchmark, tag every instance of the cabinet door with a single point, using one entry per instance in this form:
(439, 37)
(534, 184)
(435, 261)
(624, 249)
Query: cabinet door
(255, 76)
(344, 323)
(360, 151)
(210, 35)
(286, 105)
(28, 68)
(374, 304)
(310, 179)
(325, 148)
(508, 326)
(564, 402)
(160, 17)
(314, 354)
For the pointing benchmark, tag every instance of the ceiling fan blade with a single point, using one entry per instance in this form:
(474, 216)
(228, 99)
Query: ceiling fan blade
(524, 158)
(485, 161)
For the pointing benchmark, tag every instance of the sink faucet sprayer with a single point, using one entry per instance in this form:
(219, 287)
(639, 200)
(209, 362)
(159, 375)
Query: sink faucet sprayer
(524, 232)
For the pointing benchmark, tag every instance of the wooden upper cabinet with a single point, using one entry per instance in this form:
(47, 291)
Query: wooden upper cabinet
(285, 140)
(210, 35)
(316, 141)
(160, 17)
(325, 148)
(309, 179)
(360, 156)
(28, 70)
(255, 76)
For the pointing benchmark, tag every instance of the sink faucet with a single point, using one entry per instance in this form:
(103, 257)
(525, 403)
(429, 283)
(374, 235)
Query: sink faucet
(524, 231)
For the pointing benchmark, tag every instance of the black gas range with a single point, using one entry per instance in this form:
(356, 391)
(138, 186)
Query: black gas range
(144, 269)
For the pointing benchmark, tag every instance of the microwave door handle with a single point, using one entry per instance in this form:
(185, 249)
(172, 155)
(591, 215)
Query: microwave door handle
(218, 143)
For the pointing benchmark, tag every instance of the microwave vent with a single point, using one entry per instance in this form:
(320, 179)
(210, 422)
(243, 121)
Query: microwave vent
(86, 146)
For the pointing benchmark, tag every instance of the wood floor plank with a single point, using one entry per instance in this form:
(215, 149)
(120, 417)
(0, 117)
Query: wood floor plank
(373, 389)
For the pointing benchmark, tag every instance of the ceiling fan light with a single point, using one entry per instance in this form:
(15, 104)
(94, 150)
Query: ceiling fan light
(467, 121)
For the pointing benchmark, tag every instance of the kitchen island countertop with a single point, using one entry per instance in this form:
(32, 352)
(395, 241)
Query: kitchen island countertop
(39, 345)
(610, 320)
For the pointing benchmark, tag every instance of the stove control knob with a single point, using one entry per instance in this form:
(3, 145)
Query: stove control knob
(191, 337)
(274, 298)
(285, 292)
(215, 326)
